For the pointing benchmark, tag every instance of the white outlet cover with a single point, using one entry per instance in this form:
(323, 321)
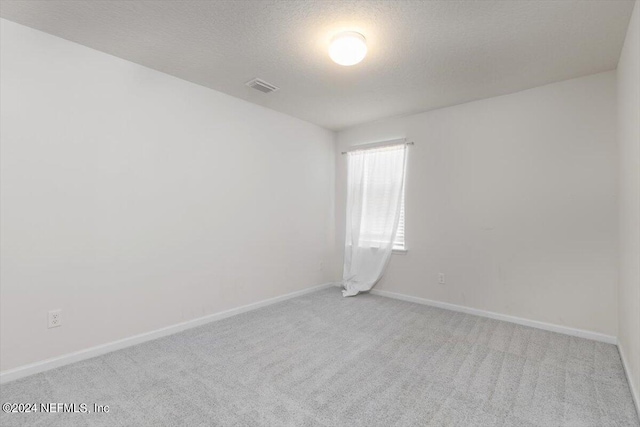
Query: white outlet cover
(54, 319)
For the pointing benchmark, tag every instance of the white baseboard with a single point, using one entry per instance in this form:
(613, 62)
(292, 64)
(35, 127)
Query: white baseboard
(596, 336)
(632, 385)
(45, 365)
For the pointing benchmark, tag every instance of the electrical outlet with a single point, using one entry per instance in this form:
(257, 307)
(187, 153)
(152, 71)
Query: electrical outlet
(441, 278)
(55, 318)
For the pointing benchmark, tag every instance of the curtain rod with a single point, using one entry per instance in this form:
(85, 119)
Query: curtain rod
(379, 145)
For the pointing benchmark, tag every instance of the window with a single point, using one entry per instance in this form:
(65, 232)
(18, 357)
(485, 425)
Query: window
(374, 180)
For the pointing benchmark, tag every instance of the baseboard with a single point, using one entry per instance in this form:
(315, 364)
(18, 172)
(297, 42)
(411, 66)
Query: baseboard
(596, 336)
(632, 385)
(56, 362)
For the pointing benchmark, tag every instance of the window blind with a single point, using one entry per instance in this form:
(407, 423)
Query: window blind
(398, 243)
(376, 189)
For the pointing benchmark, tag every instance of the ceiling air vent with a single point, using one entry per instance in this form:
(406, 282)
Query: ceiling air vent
(262, 86)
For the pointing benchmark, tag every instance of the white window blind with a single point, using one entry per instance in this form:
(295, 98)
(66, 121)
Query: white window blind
(377, 188)
(398, 243)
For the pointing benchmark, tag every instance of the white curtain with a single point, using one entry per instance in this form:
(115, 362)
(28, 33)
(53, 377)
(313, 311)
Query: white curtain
(375, 185)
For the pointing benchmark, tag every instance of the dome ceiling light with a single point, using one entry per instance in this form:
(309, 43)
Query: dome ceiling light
(348, 48)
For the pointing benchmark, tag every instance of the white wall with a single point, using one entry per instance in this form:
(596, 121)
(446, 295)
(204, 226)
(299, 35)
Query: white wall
(133, 200)
(514, 199)
(629, 140)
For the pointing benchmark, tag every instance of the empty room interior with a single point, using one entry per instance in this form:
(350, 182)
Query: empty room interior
(320, 213)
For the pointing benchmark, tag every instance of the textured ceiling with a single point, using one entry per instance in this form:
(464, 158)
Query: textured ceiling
(422, 54)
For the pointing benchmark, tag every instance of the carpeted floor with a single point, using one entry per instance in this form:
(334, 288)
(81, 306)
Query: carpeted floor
(324, 360)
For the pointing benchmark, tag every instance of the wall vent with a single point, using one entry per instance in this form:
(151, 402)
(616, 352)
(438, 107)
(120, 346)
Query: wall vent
(262, 86)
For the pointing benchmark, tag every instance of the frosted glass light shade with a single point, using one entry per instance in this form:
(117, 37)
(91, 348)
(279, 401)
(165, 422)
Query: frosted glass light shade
(348, 48)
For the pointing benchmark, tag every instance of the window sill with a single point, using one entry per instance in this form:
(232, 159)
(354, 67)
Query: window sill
(399, 251)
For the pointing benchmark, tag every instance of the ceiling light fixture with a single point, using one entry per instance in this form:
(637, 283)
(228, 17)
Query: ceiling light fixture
(348, 48)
